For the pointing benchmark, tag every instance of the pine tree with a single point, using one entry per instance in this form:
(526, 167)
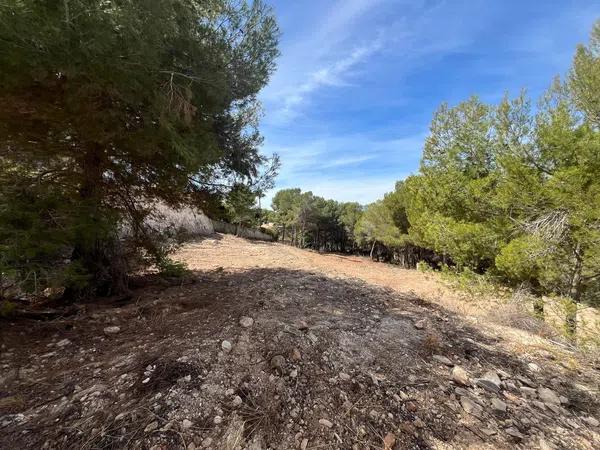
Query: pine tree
(111, 106)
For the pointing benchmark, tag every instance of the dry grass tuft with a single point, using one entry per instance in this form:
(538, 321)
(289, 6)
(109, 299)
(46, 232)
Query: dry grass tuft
(12, 404)
(234, 436)
(431, 344)
(157, 320)
(260, 412)
(156, 373)
(516, 315)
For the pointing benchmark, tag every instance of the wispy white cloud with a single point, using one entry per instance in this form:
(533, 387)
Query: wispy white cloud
(320, 53)
(363, 190)
(316, 154)
(332, 54)
(347, 161)
(330, 75)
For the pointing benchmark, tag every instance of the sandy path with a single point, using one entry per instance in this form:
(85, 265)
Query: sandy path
(498, 318)
(231, 252)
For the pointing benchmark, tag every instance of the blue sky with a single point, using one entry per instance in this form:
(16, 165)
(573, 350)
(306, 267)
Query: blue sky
(358, 80)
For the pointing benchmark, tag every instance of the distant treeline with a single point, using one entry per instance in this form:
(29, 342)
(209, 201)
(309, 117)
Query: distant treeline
(305, 220)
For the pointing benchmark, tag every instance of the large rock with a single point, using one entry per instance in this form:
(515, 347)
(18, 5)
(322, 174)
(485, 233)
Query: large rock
(591, 421)
(490, 381)
(152, 426)
(420, 324)
(492, 376)
(278, 363)
(226, 346)
(389, 441)
(326, 423)
(548, 396)
(498, 405)
(503, 374)
(246, 322)
(528, 392)
(443, 360)
(526, 381)
(471, 407)
(296, 355)
(302, 325)
(489, 431)
(460, 376)
(461, 392)
(63, 343)
(512, 431)
(112, 330)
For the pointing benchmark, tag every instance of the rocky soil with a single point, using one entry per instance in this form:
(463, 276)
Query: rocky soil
(265, 346)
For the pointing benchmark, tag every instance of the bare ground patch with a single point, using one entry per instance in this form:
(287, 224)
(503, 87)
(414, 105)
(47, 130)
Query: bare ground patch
(330, 361)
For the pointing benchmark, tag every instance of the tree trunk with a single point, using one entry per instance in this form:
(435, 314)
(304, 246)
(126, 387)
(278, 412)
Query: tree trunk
(538, 307)
(94, 246)
(538, 301)
(574, 294)
(372, 250)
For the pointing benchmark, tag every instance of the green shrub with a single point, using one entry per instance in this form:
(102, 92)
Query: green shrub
(271, 232)
(6, 308)
(172, 269)
(424, 267)
(521, 259)
(472, 283)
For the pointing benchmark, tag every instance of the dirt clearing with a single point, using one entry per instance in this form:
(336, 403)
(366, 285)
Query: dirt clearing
(268, 346)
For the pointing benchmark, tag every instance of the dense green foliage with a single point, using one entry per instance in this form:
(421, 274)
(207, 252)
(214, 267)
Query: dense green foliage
(512, 191)
(516, 192)
(384, 227)
(109, 107)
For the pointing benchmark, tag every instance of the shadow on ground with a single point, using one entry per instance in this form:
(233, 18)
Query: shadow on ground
(326, 363)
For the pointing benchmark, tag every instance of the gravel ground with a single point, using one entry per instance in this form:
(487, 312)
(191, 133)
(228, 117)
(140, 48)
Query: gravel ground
(267, 346)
